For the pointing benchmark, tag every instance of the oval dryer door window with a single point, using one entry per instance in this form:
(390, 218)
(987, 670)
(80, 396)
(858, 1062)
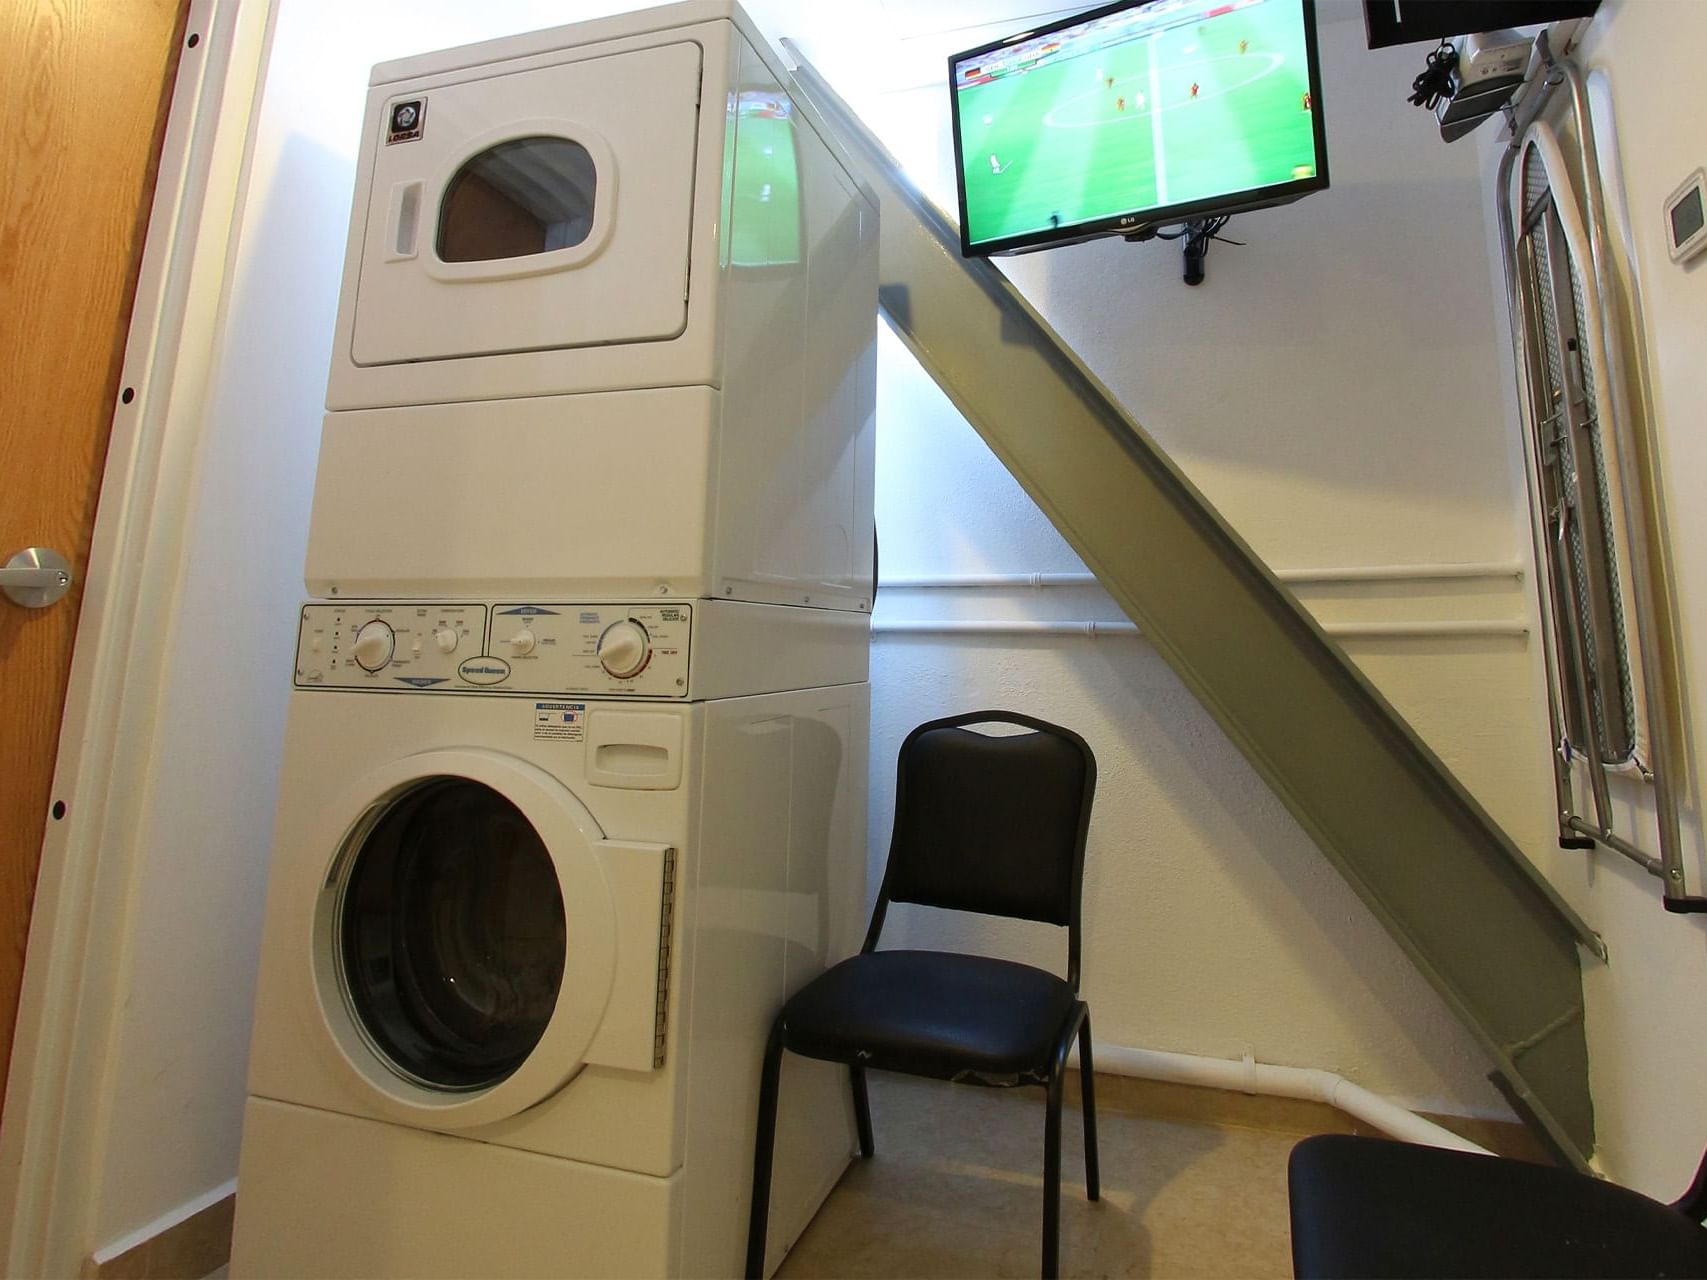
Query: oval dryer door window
(451, 935)
(518, 199)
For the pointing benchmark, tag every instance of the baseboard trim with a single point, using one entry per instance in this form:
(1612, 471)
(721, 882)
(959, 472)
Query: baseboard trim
(197, 1245)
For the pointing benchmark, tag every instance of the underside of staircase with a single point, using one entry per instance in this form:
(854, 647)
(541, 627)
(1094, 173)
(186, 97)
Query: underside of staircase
(1486, 929)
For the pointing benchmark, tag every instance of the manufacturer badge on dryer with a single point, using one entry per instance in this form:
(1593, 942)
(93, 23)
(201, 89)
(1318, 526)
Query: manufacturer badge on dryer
(405, 120)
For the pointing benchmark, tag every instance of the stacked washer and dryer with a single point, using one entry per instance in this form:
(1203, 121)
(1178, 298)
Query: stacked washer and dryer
(573, 790)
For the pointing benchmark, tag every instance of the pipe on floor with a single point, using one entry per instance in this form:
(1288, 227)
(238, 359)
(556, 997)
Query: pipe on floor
(1312, 1084)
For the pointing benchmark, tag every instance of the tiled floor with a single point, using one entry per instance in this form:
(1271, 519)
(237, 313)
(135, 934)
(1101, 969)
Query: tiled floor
(955, 1189)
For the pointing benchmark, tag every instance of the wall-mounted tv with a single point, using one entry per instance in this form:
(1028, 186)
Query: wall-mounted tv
(1139, 114)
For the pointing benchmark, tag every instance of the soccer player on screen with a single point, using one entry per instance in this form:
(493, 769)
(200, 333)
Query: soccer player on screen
(1244, 45)
(1194, 88)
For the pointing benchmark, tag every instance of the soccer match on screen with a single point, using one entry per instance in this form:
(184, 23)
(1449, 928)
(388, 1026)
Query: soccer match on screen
(1147, 108)
(765, 221)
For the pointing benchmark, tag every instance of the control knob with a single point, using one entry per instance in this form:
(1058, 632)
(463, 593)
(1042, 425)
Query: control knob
(624, 649)
(445, 639)
(375, 643)
(523, 641)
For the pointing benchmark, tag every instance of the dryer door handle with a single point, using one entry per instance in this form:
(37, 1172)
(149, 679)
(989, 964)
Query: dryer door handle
(403, 220)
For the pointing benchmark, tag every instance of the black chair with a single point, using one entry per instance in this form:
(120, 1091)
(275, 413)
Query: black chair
(987, 823)
(1367, 1207)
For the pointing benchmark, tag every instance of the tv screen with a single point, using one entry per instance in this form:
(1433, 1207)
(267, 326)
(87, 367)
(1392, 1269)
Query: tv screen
(1133, 115)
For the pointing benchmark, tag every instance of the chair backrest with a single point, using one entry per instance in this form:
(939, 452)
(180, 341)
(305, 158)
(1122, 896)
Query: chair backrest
(992, 823)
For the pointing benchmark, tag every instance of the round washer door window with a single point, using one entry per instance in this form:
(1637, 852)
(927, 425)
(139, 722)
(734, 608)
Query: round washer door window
(450, 935)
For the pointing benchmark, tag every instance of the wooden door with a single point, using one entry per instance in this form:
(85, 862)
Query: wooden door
(83, 91)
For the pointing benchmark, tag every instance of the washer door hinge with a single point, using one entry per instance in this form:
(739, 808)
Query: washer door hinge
(666, 931)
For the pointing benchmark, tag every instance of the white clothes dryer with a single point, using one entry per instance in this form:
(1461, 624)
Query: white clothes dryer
(521, 954)
(607, 328)
(573, 789)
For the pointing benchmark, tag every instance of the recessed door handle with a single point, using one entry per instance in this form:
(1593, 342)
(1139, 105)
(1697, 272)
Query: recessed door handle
(35, 577)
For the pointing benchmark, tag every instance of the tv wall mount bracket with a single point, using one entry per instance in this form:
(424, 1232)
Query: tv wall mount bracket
(1195, 236)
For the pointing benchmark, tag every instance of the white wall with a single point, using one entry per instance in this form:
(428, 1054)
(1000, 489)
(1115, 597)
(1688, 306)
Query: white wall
(1647, 1009)
(1335, 386)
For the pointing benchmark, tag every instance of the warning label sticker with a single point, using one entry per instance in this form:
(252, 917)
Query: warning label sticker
(559, 721)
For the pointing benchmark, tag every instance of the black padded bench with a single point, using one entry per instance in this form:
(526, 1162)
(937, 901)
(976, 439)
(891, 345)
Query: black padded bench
(1367, 1207)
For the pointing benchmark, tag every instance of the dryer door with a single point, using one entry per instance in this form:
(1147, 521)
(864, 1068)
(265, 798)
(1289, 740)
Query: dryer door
(531, 210)
(464, 938)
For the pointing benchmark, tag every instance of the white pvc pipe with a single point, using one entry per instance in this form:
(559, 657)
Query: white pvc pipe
(1405, 572)
(954, 581)
(1473, 627)
(1113, 627)
(1353, 573)
(1250, 1076)
(1007, 627)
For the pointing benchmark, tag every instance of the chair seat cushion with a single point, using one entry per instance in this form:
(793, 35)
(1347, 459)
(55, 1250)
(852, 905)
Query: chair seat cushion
(933, 1013)
(1374, 1208)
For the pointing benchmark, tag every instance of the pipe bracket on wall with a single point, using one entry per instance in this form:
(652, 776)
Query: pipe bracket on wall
(1479, 921)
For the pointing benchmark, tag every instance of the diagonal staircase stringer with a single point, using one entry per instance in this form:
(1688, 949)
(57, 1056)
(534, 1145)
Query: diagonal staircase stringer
(1491, 935)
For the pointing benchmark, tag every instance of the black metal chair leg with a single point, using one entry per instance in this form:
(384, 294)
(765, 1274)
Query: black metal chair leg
(1087, 1090)
(764, 1146)
(1052, 1179)
(862, 1111)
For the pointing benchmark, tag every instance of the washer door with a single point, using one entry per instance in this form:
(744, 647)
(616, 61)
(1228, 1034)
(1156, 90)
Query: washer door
(463, 938)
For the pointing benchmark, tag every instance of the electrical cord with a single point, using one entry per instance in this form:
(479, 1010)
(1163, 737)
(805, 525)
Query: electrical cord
(1198, 236)
(1208, 229)
(1435, 80)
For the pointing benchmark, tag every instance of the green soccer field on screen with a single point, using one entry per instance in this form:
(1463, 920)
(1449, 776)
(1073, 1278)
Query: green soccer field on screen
(1141, 115)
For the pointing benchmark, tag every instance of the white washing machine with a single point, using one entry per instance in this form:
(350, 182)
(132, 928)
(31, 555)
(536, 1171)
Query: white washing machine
(523, 946)
(607, 328)
(574, 783)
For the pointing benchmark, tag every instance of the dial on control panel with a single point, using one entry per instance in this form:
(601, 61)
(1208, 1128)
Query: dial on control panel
(523, 641)
(375, 643)
(624, 649)
(445, 639)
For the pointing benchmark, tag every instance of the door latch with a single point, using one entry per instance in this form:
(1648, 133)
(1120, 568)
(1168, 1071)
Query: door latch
(35, 577)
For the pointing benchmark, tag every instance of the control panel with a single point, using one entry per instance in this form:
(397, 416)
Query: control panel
(637, 650)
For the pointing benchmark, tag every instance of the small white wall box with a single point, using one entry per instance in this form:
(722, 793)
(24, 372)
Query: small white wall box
(1686, 218)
